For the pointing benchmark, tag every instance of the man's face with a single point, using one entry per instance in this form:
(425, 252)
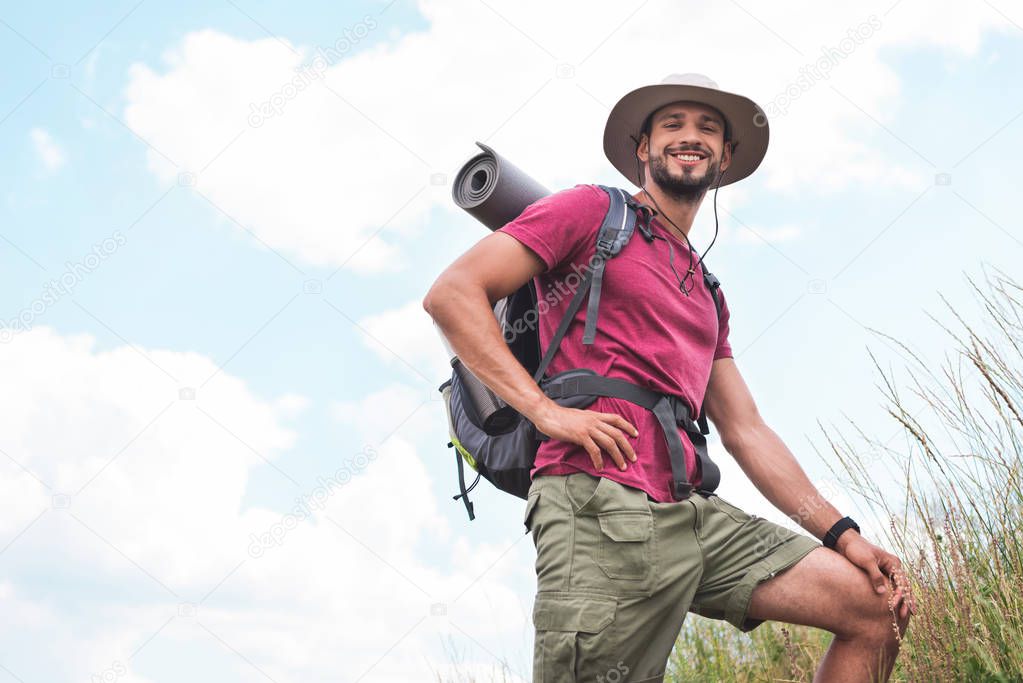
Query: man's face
(686, 149)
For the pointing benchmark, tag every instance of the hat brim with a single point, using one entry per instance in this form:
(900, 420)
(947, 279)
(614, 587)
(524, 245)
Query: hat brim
(748, 123)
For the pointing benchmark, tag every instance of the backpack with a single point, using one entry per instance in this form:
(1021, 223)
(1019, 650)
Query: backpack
(499, 443)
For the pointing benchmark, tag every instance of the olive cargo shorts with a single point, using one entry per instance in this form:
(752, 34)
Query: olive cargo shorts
(617, 572)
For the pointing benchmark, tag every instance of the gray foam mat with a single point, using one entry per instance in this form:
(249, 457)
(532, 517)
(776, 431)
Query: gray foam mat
(493, 190)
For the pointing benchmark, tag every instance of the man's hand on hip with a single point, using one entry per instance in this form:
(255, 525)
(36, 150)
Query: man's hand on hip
(592, 430)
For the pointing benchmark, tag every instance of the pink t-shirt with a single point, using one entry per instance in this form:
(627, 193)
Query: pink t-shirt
(648, 332)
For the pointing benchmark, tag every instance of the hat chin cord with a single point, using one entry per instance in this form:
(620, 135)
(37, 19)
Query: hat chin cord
(650, 237)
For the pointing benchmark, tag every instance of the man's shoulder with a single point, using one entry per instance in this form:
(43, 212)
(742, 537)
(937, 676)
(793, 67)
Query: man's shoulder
(579, 192)
(582, 197)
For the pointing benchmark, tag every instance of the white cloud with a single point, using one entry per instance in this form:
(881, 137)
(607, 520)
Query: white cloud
(394, 409)
(291, 405)
(49, 152)
(112, 479)
(407, 337)
(352, 150)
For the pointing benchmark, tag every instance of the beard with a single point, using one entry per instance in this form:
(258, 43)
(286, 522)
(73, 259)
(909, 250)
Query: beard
(680, 182)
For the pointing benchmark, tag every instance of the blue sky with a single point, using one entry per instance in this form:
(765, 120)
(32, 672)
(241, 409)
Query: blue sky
(283, 287)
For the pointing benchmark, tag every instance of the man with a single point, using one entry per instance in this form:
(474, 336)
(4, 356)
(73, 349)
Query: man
(621, 557)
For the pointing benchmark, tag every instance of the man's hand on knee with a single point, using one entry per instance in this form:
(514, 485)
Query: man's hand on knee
(883, 568)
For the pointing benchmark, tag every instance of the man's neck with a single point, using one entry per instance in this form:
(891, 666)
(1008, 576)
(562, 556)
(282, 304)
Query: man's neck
(671, 210)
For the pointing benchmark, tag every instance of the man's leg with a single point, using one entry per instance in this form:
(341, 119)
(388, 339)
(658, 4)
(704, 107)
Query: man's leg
(827, 591)
(614, 579)
(756, 570)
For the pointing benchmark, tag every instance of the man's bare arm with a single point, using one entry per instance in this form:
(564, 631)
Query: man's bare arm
(773, 469)
(761, 453)
(461, 302)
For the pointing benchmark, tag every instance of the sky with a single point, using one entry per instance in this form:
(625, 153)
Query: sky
(224, 452)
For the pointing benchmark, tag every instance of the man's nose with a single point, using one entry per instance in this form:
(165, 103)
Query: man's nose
(689, 138)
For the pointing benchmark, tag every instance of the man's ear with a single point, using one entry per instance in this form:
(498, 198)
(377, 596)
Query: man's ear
(642, 149)
(726, 155)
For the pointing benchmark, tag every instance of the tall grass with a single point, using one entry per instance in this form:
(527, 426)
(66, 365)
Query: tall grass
(950, 503)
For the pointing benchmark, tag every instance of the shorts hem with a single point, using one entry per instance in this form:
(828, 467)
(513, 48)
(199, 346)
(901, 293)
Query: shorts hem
(775, 563)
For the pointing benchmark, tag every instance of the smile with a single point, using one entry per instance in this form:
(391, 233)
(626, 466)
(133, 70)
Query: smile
(688, 158)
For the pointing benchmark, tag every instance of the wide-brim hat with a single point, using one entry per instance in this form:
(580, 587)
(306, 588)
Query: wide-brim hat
(745, 120)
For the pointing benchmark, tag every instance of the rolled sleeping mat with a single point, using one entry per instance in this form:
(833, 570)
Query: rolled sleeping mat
(494, 191)
(483, 407)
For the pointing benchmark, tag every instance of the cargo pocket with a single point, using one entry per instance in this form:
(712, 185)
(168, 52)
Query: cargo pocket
(625, 551)
(573, 638)
(531, 500)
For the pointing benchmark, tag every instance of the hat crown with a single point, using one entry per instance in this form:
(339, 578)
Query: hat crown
(698, 80)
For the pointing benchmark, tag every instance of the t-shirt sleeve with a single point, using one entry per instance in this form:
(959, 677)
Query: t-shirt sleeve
(560, 227)
(724, 347)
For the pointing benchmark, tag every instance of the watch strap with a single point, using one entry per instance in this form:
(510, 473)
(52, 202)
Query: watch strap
(831, 538)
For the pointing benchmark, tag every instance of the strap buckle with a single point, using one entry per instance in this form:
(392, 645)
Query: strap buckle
(645, 212)
(702, 423)
(681, 489)
(683, 417)
(564, 389)
(605, 246)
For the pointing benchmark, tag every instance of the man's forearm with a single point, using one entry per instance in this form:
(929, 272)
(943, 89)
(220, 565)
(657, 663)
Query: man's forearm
(467, 320)
(772, 468)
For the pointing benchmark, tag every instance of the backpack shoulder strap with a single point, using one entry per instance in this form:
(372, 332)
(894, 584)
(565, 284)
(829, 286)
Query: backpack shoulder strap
(712, 284)
(615, 232)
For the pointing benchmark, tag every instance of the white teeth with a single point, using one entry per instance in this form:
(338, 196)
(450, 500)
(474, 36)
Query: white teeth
(688, 157)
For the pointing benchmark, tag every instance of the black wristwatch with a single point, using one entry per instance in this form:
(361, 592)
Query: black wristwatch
(831, 538)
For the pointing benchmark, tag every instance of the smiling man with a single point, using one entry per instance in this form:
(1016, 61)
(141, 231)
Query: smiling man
(625, 548)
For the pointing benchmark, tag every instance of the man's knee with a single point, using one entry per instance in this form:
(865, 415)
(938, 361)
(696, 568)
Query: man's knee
(876, 623)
